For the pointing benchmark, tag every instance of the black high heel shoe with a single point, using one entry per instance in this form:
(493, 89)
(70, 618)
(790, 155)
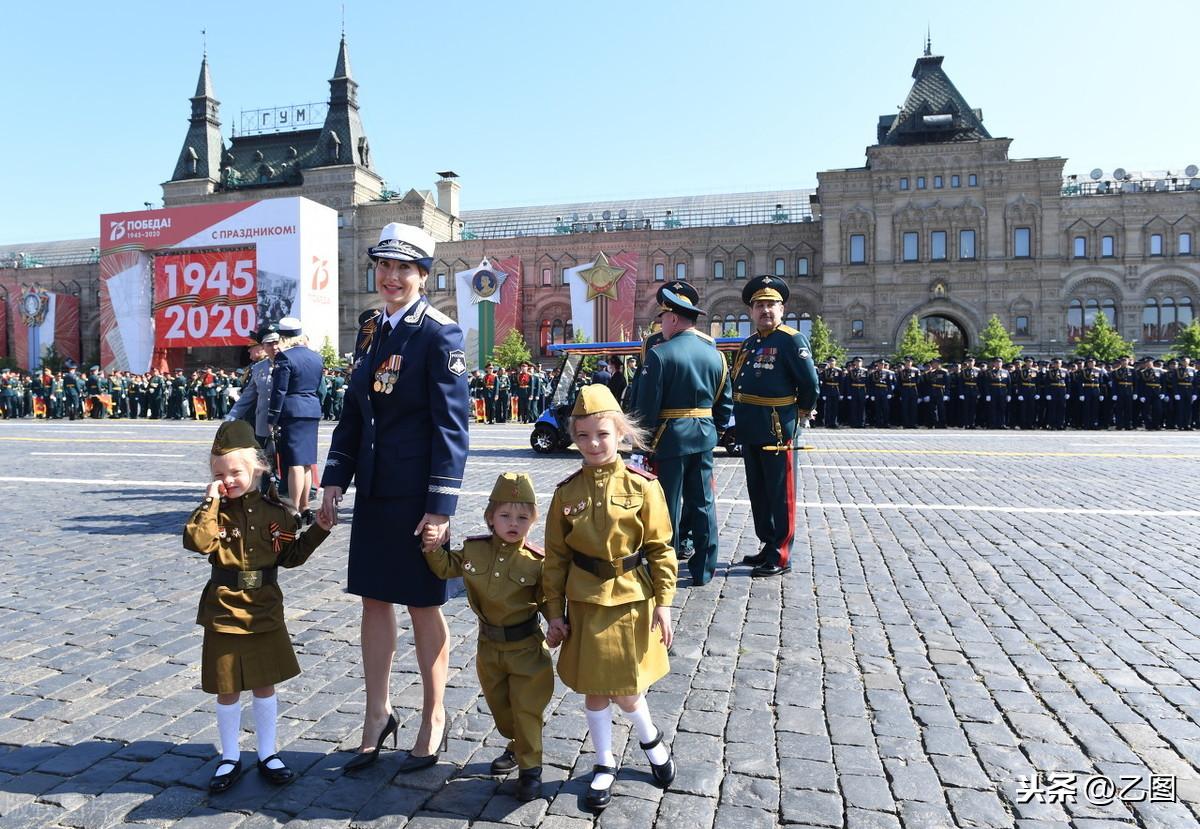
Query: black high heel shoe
(366, 758)
(413, 762)
(664, 773)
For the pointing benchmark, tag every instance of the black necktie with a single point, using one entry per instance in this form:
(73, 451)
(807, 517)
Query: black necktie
(387, 328)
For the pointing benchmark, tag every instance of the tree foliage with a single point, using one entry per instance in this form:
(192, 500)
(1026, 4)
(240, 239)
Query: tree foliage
(512, 351)
(329, 355)
(823, 344)
(1187, 342)
(1102, 341)
(917, 343)
(994, 341)
(590, 361)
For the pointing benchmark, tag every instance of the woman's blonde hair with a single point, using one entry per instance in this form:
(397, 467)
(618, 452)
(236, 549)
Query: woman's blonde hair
(627, 428)
(288, 342)
(492, 506)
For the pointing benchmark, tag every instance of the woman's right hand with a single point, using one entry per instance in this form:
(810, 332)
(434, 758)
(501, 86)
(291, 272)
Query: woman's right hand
(330, 498)
(557, 632)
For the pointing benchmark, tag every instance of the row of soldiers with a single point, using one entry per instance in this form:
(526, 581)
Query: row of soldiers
(155, 395)
(518, 394)
(1045, 394)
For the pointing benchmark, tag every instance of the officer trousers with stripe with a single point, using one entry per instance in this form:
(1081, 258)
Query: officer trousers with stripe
(771, 487)
(688, 485)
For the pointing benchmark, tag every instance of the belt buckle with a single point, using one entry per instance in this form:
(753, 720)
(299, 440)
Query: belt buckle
(249, 579)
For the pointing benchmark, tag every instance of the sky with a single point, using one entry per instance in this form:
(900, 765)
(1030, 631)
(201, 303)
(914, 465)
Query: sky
(543, 103)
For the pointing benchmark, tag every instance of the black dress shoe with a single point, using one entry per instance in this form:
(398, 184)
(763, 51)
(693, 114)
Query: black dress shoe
(664, 773)
(597, 799)
(755, 560)
(504, 764)
(766, 570)
(529, 784)
(222, 781)
(280, 776)
(366, 758)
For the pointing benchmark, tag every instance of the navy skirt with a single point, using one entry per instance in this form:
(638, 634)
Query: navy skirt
(297, 441)
(385, 561)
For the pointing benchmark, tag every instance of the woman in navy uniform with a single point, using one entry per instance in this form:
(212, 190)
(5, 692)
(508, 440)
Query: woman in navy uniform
(295, 411)
(403, 440)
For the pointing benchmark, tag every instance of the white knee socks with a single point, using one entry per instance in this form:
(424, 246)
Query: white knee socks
(600, 729)
(229, 723)
(643, 726)
(265, 709)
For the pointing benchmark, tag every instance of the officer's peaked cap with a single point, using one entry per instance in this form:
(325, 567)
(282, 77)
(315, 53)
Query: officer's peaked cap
(594, 399)
(766, 287)
(513, 488)
(404, 243)
(233, 435)
(678, 304)
(679, 287)
(289, 327)
(269, 333)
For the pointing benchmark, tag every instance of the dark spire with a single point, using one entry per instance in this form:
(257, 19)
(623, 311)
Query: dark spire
(928, 42)
(934, 112)
(202, 148)
(343, 140)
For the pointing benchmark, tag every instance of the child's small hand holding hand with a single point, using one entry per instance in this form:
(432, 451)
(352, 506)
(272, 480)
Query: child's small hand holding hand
(216, 489)
(430, 536)
(558, 632)
(662, 621)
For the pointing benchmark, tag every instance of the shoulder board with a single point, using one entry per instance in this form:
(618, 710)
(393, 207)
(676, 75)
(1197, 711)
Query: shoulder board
(369, 314)
(569, 477)
(787, 329)
(641, 473)
(704, 336)
(535, 549)
(484, 537)
(437, 316)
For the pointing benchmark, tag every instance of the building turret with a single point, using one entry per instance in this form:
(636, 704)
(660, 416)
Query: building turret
(343, 140)
(202, 148)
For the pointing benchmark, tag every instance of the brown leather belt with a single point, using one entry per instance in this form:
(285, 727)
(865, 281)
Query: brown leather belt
(608, 569)
(244, 579)
(509, 633)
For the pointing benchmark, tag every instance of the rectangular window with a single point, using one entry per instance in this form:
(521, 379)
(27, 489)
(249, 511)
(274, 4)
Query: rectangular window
(920, 182)
(802, 266)
(1108, 247)
(910, 247)
(562, 277)
(1079, 250)
(1185, 243)
(547, 278)
(858, 248)
(680, 270)
(1022, 327)
(937, 245)
(441, 280)
(966, 244)
(904, 183)
(780, 266)
(660, 272)
(718, 270)
(1021, 242)
(856, 329)
(739, 269)
(955, 181)
(371, 278)
(972, 180)
(1156, 247)
(937, 182)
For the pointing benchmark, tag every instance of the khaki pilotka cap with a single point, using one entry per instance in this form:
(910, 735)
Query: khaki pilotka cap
(594, 399)
(513, 488)
(234, 435)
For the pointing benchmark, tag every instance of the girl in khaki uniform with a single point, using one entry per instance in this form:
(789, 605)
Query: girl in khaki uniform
(247, 537)
(610, 572)
(503, 575)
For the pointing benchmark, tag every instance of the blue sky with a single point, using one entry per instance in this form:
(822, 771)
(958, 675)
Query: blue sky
(539, 102)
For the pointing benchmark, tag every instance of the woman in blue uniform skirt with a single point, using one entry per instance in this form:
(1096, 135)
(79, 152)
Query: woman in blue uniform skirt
(402, 439)
(295, 410)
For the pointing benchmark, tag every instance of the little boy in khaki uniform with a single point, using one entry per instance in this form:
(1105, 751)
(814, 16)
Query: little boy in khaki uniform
(503, 575)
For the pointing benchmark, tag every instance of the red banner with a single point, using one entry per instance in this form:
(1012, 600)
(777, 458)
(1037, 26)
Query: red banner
(205, 298)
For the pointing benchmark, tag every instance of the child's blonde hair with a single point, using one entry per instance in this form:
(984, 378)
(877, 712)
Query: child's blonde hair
(530, 509)
(257, 461)
(627, 428)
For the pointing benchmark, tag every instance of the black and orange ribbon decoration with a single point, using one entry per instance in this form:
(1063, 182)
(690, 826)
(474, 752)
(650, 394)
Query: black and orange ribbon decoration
(279, 537)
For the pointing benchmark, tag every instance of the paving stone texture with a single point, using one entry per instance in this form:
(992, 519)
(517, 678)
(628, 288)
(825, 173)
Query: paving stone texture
(968, 613)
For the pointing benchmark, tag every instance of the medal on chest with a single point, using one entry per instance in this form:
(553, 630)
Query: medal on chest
(387, 374)
(575, 509)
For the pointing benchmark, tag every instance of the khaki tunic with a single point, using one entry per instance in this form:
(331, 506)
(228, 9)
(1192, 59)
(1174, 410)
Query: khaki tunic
(246, 644)
(504, 587)
(609, 512)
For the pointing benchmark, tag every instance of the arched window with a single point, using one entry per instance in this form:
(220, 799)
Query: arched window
(716, 326)
(731, 326)
(1167, 324)
(556, 332)
(569, 332)
(1110, 310)
(743, 325)
(780, 266)
(792, 320)
(1081, 315)
(1164, 317)
(1074, 320)
(1184, 311)
(544, 337)
(805, 324)
(1150, 321)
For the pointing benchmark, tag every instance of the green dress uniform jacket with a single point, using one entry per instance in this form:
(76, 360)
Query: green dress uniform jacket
(504, 588)
(608, 513)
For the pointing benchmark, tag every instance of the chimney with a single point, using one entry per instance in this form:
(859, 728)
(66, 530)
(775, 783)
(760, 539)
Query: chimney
(448, 188)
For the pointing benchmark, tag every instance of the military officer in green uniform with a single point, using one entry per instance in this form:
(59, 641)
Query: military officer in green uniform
(680, 288)
(774, 389)
(684, 398)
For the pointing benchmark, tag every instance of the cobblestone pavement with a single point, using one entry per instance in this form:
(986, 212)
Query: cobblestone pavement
(967, 611)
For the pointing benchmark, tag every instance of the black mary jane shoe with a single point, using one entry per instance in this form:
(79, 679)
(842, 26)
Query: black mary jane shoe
(597, 799)
(220, 782)
(529, 784)
(366, 758)
(763, 571)
(280, 776)
(505, 764)
(663, 773)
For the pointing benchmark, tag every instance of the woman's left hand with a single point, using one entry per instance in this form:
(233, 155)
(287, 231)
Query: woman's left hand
(662, 621)
(439, 523)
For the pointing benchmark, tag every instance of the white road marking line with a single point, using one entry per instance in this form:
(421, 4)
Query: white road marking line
(890, 468)
(103, 455)
(496, 463)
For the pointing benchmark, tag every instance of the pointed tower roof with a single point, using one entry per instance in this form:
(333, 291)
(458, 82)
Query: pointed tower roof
(342, 69)
(343, 140)
(204, 88)
(934, 112)
(202, 147)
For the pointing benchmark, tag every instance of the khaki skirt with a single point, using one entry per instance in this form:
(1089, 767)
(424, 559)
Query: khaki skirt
(611, 650)
(233, 662)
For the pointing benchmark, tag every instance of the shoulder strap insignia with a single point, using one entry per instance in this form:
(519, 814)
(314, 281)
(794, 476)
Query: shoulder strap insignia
(637, 470)
(369, 314)
(704, 336)
(437, 316)
(787, 329)
(535, 549)
(569, 477)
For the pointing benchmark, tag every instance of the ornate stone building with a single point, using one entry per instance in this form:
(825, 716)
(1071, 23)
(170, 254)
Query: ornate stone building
(939, 223)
